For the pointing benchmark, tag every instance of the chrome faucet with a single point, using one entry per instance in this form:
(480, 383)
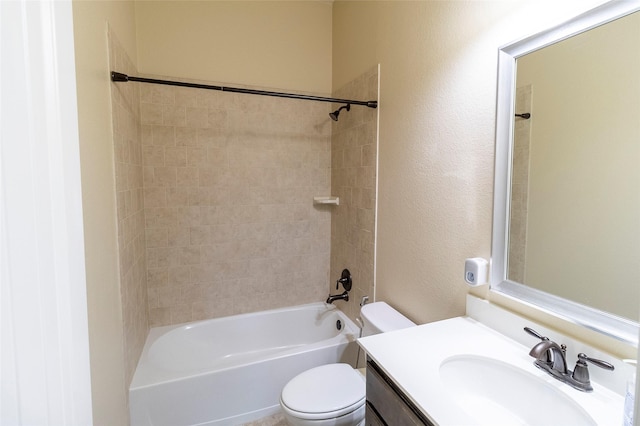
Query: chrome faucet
(552, 358)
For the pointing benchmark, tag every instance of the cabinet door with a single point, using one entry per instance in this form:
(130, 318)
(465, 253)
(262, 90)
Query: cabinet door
(389, 403)
(372, 418)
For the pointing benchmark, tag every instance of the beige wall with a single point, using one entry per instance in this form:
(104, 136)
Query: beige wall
(437, 117)
(584, 233)
(99, 199)
(277, 44)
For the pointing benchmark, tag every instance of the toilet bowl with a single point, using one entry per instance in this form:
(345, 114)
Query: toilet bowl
(334, 394)
(331, 394)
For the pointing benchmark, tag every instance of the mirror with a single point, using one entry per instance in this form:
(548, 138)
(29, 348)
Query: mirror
(566, 231)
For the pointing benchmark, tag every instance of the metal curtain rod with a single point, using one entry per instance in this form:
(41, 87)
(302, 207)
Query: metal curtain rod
(119, 77)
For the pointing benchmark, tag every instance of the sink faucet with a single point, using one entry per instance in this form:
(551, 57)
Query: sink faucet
(551, 358)
(344, 296)
(556, 362)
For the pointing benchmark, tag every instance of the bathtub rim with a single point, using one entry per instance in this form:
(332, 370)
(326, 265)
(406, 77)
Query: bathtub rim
(349, 335)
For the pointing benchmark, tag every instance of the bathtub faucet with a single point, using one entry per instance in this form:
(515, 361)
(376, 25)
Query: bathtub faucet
(344, 296)
(345, 280)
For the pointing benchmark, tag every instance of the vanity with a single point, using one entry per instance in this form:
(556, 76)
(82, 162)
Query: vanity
(387, 403)
(476, 370)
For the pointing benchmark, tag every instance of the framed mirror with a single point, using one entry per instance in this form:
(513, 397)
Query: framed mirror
(566, 225)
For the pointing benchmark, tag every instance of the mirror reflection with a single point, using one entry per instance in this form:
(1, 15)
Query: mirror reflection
(574, 222)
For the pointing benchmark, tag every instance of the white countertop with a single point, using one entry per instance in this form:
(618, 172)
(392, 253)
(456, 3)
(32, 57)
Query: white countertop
(412, 358)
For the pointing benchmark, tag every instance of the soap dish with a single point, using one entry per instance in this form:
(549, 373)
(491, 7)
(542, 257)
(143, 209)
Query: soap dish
(326, 200)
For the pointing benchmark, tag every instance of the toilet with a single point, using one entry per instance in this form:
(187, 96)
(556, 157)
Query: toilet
(334, 394)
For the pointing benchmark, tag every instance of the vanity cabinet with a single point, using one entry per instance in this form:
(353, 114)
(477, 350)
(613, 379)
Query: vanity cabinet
(387, 404)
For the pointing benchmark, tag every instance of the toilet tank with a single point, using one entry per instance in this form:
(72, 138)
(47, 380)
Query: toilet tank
(379, 317)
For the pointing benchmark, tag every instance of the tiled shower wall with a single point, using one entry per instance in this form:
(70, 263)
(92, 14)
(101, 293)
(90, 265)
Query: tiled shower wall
(130, 208)
(227, 220)
(354, 151)
(229, 181)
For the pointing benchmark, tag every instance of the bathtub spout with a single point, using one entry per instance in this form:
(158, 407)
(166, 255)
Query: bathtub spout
(344, 296)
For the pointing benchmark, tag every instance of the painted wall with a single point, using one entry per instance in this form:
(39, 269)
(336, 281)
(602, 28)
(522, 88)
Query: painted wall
(437, 117)
(584, 197)
(278, 44)
(99, 199)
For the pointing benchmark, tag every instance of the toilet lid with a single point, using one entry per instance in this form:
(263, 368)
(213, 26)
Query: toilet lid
(329, 389)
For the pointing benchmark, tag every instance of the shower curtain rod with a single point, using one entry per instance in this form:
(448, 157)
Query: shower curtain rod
(119, 77)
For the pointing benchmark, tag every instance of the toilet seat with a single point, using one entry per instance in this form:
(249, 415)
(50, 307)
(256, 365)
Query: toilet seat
(324, 392)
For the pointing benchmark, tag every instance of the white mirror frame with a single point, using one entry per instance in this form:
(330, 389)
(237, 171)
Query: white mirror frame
(603, 322)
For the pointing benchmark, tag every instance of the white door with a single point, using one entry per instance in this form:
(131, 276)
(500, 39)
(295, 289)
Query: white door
(44, 370)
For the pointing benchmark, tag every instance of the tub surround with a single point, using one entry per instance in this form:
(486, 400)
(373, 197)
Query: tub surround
(229, 182)
(214, 193)
(423, 349)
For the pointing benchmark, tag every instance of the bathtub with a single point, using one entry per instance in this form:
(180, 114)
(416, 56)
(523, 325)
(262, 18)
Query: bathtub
(228, 371)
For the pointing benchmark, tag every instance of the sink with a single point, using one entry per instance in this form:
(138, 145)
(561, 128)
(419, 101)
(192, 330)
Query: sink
(494, 392)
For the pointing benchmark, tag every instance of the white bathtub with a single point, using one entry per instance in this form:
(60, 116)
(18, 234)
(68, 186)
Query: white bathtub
(229, 371)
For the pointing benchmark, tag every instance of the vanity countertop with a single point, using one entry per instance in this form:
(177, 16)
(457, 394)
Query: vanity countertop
(412, 358)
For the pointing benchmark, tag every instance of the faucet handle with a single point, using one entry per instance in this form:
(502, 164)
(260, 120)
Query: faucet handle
(581, 372)
(345, 280)
(534, 333)
(547, 359)
(600, 363)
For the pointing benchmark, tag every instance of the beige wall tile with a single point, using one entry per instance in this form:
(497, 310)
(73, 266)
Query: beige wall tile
(153, 155)
(186, 136)
(197, 117)
(151, 113)
(162, 95)
(229, 183)
(185, 96)
(174, 115)
(155, 197)
(175, 156)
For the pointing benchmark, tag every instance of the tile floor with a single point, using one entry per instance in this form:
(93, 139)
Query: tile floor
(274, 420)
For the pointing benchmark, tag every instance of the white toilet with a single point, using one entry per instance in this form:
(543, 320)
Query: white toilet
(334, 394)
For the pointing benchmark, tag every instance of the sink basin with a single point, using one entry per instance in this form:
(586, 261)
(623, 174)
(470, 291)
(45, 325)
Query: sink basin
(493, 392)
